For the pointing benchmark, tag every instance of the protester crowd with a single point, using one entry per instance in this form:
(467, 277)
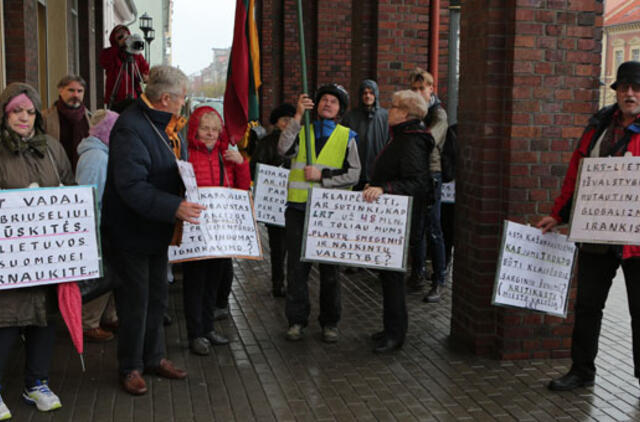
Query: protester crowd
(132, 158)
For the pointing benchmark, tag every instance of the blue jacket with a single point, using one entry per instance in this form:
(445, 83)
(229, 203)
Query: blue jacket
(91, 169)
(143, 189)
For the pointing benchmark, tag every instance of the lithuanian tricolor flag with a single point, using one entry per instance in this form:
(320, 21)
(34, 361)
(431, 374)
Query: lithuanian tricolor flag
(243, 74)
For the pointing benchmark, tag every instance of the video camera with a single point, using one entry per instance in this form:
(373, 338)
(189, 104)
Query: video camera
(134, 44)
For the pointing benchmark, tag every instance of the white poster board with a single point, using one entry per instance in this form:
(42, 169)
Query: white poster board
(188, 176)
(606, 202)
(270, 199)
(48, 236)
(534, 270)
(341, 228)
(448, 193)
(227, 228)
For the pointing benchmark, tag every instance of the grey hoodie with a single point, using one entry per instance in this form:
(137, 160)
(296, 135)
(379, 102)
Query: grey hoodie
(372, 127)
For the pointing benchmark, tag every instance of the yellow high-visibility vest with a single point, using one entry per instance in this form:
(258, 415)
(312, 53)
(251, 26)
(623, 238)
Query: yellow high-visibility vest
(331, 156)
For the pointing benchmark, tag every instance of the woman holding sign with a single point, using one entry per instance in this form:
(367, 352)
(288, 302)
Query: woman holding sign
(400, 169)
(214, 164)
(29, 158)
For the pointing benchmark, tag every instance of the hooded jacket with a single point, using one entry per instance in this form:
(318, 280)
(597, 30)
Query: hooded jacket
(207, 165)
(112, 59)
(372, 128)
(30, 305)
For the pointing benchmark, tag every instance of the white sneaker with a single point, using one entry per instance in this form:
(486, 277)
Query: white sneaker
(294, 333)
(42, 397)
(4, 411)
(330, 334)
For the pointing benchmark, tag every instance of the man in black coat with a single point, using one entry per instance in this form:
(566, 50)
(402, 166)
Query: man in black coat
(143, 210)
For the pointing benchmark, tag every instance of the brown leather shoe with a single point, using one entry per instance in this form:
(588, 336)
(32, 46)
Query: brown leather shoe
(133, 383)
(167, 370)
(97, 335)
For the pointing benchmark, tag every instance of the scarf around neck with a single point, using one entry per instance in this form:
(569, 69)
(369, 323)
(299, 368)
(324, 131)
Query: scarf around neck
(18, 145)
(73, 128)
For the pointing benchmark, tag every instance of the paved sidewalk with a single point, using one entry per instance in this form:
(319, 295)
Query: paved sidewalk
(261, 376)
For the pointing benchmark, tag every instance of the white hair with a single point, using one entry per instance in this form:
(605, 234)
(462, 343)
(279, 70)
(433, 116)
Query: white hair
(165, 80)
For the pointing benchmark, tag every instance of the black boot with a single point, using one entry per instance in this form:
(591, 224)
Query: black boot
(434, 294)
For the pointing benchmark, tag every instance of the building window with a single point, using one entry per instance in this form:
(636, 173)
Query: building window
(635, 54)
(618, 58)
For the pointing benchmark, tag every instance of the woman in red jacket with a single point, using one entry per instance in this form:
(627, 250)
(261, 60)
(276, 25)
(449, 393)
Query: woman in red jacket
(207, 283)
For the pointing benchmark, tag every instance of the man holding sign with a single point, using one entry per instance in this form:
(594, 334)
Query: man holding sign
(334, 164)
(142, 210)
(613, 131)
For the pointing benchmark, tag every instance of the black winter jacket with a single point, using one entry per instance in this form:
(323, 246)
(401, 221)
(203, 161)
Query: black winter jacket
(402, 168)
(266, 152)
(142, 192)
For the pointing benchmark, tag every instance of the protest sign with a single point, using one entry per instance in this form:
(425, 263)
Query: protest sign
(534, 270)
(606, 202)
(189, 180)
(448, 193)
(341, 228)
(227, 228)
(48, 236)
(270, 194)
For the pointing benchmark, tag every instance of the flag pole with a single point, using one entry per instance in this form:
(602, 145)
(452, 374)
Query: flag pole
(305, 89)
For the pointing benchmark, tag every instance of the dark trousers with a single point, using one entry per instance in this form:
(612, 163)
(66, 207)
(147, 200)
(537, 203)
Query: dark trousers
(200, 290)
(38, 346)
(447, 219)
(225, 267)
(298, 307)
(595, 274)
(141, 301)
(394, 314)
(278, 248)
(435, 240)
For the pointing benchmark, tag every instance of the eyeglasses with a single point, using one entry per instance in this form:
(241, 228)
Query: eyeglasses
(624, 87)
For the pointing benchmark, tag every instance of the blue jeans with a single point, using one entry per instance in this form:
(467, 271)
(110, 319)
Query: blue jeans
(435, 239)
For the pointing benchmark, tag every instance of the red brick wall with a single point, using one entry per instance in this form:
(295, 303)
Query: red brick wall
(529, 77)
(347, 41)
(21, 43)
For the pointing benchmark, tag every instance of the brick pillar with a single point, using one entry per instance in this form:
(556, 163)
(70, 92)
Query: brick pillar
(21, 41)
(403, 44)
(528, 83)
(333, 45)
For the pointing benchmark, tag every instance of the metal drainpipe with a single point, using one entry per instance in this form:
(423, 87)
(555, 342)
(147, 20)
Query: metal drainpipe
(434, 36)
(454, 48)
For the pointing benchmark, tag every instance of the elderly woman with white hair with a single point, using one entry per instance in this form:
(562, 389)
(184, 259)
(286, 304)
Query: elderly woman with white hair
(402, 168)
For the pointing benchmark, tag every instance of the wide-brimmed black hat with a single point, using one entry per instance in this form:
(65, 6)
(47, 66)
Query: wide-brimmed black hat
(283, 110)
(628, 72)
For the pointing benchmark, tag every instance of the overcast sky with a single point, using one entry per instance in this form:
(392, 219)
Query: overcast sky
(199, 26)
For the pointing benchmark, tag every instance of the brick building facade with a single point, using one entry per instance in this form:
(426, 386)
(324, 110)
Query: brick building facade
(528, 83)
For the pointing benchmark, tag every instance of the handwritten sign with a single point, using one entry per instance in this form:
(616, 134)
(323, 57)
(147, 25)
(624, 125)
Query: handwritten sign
(227, 228)
(271, 194)
(534, 270)
(189, 179)
(48, 236)
(342, 228)
(448, 193)
(606, 207)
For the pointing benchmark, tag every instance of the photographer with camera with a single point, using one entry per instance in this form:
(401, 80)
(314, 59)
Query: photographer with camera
(125, 66)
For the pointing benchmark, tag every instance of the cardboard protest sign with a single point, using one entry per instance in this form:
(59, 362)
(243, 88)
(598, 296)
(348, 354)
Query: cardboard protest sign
(227, 228)
(534, 270)
(341, 228)
(606, 202)
(448, 193)
(188, 176)
(270, 190)
(48, 236)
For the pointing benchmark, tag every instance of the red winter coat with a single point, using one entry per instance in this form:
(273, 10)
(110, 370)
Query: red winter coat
(600, 121)
(111, 60)
(206, 164)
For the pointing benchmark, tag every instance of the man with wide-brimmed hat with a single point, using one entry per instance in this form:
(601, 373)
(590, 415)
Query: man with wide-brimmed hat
(612, 132)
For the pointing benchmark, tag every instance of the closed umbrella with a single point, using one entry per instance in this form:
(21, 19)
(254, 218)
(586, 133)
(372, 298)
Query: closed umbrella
(70, 305)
